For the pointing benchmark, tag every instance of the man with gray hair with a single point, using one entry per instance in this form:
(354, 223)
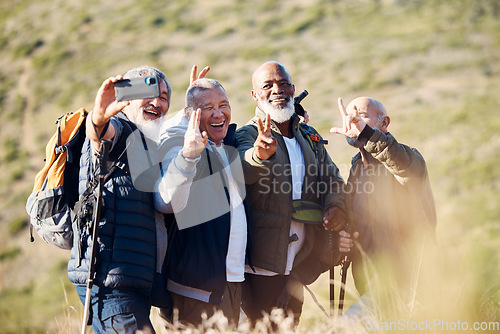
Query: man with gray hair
(150, 118)
(208, 239)
(131, 236)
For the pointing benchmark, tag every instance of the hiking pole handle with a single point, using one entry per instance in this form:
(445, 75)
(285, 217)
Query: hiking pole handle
(102, 160)
(300, 97)
(299, 110)
(103, 157)
(343, 274)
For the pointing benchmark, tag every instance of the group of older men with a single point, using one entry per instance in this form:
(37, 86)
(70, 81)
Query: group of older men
(239, 219)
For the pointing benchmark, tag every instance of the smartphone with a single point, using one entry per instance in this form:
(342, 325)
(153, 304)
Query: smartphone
(137, 88)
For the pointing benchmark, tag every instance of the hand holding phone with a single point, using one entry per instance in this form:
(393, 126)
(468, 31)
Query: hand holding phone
(137, 88)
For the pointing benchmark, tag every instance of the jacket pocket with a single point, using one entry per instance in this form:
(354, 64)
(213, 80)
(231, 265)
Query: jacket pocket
(267, 219)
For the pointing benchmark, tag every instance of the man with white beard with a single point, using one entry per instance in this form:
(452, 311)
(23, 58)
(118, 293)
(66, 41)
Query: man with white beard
(295, 191)
(132, 237)
(151, 111)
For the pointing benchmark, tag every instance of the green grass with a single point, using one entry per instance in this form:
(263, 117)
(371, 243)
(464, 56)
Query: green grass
(29, 309)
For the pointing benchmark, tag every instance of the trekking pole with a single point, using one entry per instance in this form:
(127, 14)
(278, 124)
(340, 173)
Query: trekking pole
(343, 271)
(103, 157)
(332, 272)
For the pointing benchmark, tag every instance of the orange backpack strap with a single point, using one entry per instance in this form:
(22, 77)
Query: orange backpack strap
(69, 131)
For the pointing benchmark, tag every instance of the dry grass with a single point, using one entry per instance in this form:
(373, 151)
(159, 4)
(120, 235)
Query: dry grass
(443, 293)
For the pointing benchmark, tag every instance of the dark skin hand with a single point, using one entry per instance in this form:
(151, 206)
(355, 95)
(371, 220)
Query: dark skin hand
(334, 219)
(265, 145)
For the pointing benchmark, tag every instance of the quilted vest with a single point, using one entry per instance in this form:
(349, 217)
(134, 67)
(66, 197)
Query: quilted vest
(127, 234)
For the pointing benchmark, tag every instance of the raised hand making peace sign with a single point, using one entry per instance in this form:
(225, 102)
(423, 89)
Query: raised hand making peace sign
(202, 74)
(265, 145)
(195, 141)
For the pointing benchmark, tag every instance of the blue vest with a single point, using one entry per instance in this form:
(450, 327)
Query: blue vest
(127, 234)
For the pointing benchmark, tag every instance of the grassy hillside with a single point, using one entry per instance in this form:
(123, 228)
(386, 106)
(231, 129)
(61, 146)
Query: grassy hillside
(434, 64)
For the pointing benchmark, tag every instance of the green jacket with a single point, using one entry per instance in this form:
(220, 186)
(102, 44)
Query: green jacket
(269, 189)
(391, 204)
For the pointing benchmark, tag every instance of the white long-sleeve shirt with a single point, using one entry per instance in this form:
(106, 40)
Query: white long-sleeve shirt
(177, 171)
(173, 189)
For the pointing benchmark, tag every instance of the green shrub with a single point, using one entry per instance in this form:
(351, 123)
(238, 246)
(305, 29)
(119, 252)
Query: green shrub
(9, 253)
(26, 48)
(17, 174)
(258, 52)
(11, 149)
(18, 224)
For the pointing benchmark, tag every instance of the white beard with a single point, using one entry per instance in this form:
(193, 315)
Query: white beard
(278, 115)
(150, 128)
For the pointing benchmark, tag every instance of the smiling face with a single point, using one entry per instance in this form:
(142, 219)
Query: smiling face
(273, 90)
(215, 112)
(149, 109)
(147, 114)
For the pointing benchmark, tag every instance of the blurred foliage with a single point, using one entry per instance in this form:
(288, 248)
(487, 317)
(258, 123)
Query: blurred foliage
(11, 150)
(28, 309)
(18, 224)
(9, 253)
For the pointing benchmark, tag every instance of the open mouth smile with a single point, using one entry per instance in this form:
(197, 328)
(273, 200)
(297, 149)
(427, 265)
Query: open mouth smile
(218, 125)
(152, 111)
(279, 100)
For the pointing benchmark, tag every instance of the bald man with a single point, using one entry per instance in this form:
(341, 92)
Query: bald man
(285, 178)
(390, 199)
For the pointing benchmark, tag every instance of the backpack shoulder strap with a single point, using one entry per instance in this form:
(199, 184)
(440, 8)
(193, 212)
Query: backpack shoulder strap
(117, 158)
(118, 153)
(312, 136)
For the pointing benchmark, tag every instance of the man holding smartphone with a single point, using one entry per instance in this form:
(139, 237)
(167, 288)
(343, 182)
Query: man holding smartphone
(132, 236)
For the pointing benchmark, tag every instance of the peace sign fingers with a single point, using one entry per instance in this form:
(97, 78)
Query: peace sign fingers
(265, 145)
(267, 126)
(194, 140)
(194, 121)
(202, 74)
(260, 127)
(265, 130)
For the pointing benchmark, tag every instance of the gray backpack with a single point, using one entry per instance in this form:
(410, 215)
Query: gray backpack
(51, 206)
(56, 185)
